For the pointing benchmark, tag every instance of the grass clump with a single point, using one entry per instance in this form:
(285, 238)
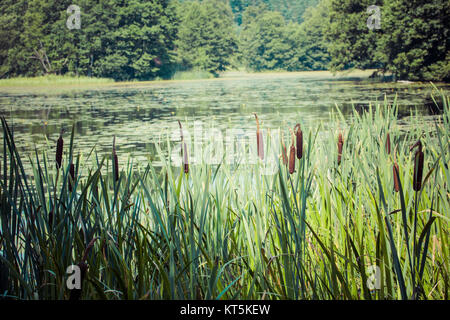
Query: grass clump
(341, 223)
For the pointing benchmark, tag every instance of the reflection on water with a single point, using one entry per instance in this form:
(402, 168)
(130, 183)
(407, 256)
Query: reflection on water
(140, 115)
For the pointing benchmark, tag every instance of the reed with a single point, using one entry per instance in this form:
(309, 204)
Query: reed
(115, 161)
(340, 146)
(388, 143)
(227, 232)
(184, 150)
(292, 155)
(259, 139)
(299, 138)
(59, 150)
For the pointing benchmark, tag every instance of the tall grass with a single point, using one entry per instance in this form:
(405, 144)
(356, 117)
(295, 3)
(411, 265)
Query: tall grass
(52, 80)
(227, 232)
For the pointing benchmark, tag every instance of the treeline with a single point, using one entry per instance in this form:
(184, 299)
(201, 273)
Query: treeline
(141, 39)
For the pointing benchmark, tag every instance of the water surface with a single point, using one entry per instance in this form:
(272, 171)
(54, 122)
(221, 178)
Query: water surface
(141, 114)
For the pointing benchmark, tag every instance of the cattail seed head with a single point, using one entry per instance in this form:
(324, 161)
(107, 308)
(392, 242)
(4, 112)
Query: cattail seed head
(59, 150)
(396, 173)
(292, 156)
(185, 159)
(418, 166)
(259, 140)
(340, 146)
(388, 143)
(299, 136)
(115, 161)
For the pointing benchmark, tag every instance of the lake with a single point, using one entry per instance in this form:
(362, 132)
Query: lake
(140, 114)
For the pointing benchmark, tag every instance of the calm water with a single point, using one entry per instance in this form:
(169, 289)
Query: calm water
(139, 115)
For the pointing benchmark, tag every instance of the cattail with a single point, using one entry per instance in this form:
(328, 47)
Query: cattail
(418, 166)
(388, 143)
(284, 152)
(115, 161)
(185, 152)
(292, 156)
(71, 176)
(299, 135)
(259, 140)
(340, 145)
(59, 150)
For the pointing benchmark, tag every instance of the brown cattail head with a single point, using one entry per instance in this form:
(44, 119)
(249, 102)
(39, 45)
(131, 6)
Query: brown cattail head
(115, 161)
(71, 176)
(292, 156)
(388, 143)
(396, 173)
(185, 159)
(299, 136)
(59, 150)
(259, 140)
(418, 166)
(185, 152)
(340, 145)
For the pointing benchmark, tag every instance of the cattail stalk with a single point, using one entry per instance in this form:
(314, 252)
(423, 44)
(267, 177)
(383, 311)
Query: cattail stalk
(292, 156)
(418, 166)
(259, 139)
(299, 136)
(185, 152)
(340, 145)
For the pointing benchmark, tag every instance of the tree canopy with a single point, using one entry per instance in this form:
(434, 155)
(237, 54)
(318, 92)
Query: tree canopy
(141, 39)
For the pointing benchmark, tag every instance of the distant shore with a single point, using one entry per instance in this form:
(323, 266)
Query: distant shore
(54, 82)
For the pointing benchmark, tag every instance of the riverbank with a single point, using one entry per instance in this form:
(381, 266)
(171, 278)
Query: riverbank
(53, 82)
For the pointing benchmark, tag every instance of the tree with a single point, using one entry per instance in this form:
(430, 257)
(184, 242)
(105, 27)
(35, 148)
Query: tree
(129, 39)
(308, 39)
(264, 42)
(351, 43)
(206, 36)
(415, 40)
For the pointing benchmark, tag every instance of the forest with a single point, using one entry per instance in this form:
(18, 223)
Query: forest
(146, 40)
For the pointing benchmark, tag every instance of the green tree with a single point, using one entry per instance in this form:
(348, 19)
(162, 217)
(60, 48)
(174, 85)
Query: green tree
(308, 40)
(129, 39)
(264, 43)
(351, 43)
(206, 36)
(415, 41)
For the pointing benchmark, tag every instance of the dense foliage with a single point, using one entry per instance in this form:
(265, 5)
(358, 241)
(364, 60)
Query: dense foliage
(138, 39)
(412, 42)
